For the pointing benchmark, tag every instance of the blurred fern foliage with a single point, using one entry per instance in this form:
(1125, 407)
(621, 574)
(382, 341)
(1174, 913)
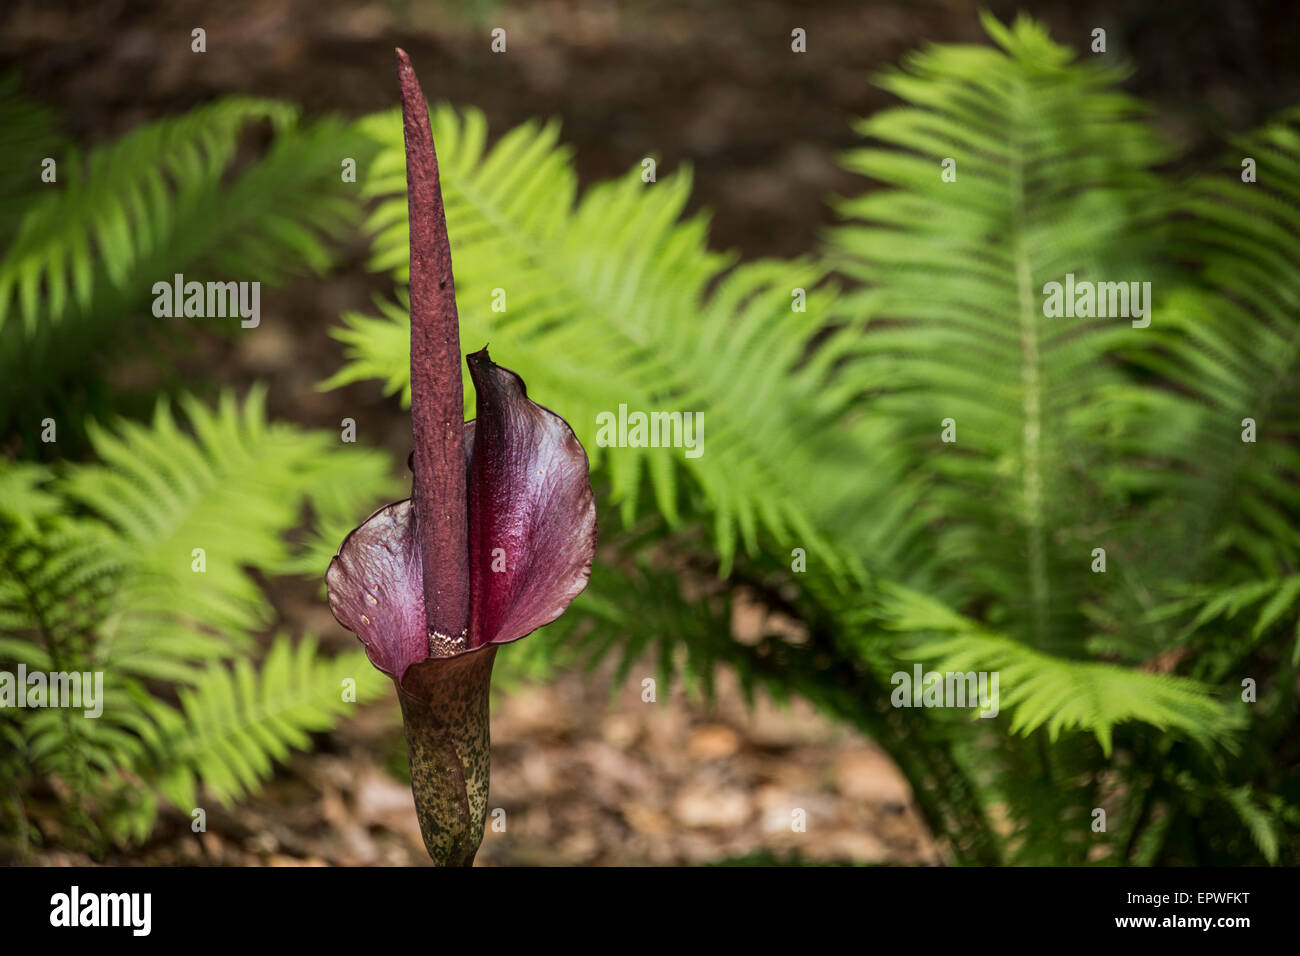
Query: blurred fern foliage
(1161, 690)
(140, 567)
(138, 553)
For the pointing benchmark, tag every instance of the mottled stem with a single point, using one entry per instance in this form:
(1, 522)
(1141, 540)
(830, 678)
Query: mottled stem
(437, 397)
(445, 716)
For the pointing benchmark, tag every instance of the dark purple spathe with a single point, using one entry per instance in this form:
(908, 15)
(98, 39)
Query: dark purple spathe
(532, 522)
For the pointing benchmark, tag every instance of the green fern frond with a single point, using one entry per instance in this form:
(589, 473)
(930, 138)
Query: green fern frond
(1057, 694)
(24, 499)
(227, 734)
(1278, 599)
(1262, 824)
(56, 573)
(1051, 178)
(1230, 342)
(236, 723)
(614, 300)
(115, 206)
(173, 197)
(97, 577)
(232, 489)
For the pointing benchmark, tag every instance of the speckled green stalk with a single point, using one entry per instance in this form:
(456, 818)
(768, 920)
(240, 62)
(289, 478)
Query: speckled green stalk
(445, 716)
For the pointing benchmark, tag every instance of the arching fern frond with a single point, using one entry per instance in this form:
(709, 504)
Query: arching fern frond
(1230, 342)
(236, 723)
(1264, 821)
(98, 577)
(172, 197)
(614, 300)
(118, 204)
(1054, 693)
(1051, 179)
(56, 572)
(193, 513)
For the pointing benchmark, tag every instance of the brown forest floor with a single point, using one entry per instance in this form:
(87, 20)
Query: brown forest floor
(583, 779)
(586, 777)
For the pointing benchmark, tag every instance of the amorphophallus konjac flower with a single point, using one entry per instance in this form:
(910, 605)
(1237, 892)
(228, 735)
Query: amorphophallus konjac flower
(495, 541)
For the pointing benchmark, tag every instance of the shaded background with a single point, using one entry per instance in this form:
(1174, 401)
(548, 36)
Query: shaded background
(586, 776)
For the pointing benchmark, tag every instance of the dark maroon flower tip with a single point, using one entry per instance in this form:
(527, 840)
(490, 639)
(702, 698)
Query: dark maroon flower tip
(437, 402)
